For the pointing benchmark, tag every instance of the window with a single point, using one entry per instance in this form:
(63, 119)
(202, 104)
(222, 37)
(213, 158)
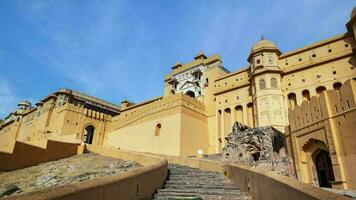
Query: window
(258, 61)
(158, 129)
(292, 100)
(273, 83)
(334, 72)
(329, 50)
(346, 45)
(314, 55)
(306, 95)
(320, 89)
(337, 85)
(300, 59)
(262, 84)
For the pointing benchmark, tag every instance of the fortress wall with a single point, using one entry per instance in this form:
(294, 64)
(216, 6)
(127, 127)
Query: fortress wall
(270, 186)
(183, 125)
(130, 116)
(8, 137)
(66, 122)
(330, 119)
(78, 118)
(25, 155)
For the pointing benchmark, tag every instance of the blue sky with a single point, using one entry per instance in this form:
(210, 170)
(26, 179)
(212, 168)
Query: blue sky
(119, 50)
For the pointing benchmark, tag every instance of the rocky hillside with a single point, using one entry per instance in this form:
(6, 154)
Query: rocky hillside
(61, 172)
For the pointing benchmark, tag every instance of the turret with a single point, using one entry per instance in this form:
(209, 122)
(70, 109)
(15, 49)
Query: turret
(266, 87)
(24, 105)
(351, 25)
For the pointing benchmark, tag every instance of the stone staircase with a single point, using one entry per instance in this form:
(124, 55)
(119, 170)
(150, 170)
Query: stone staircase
(192, 183)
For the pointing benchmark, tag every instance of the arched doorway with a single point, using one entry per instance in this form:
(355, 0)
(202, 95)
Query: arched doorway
(89, 134)
(190, 93)
(324, 169)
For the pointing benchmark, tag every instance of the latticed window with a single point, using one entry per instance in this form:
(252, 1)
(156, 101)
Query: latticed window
(262, 84)
(273, 83)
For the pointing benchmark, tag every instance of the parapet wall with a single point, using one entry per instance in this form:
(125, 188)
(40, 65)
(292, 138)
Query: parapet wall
(25, 155)
(269, 186)
(138, 183)
(258, 184)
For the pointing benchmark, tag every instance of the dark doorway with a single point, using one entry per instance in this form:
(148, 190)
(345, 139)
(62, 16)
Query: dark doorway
(190, 93)
(89, 134)
(324, 169)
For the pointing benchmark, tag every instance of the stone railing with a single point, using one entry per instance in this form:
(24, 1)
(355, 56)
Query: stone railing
(259, 185)
(159, 105)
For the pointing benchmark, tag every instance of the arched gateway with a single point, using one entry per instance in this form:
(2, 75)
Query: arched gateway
(89, 134)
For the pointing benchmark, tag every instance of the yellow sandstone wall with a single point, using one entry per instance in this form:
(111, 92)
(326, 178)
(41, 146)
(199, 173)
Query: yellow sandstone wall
(326, 123)
(182, 121)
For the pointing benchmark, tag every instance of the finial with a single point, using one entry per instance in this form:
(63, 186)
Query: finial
(262, 37)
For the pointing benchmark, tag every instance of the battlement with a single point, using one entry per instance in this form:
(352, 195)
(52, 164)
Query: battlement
(329, 104)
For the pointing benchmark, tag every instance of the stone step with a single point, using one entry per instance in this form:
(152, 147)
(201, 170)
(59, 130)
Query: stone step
(232, 187)
(199, 191)
(204, 197)
(175, 177)
(191, 183)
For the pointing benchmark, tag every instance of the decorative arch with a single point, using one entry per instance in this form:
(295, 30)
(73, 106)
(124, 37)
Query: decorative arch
(274, 83)
(89, 134)
(317, 162)
(262, 84)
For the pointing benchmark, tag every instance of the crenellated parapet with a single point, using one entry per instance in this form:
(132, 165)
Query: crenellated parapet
(329, 104)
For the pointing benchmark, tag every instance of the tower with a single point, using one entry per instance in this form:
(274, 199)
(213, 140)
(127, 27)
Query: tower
(265, 78)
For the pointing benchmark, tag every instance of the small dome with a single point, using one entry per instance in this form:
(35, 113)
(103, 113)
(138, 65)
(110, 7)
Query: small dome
(264, 44)
(353, 13)
(25, 103)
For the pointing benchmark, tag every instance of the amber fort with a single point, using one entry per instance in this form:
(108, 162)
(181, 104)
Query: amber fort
(307, 94)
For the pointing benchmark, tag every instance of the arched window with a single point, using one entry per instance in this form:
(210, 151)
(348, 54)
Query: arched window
(337, 85)
(306, 95)
(320, 89)
(274, 83)
(292, 100)
(190, 93)
(158, 129)
(262, 84)
(239, 114)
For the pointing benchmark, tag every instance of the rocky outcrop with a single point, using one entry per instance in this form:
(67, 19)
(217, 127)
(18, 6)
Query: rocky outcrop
(262, 147)
(61, 172)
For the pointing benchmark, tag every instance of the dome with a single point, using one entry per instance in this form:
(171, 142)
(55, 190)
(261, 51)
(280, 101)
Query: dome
(353, 13)
(24, 103)
(264, 44)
